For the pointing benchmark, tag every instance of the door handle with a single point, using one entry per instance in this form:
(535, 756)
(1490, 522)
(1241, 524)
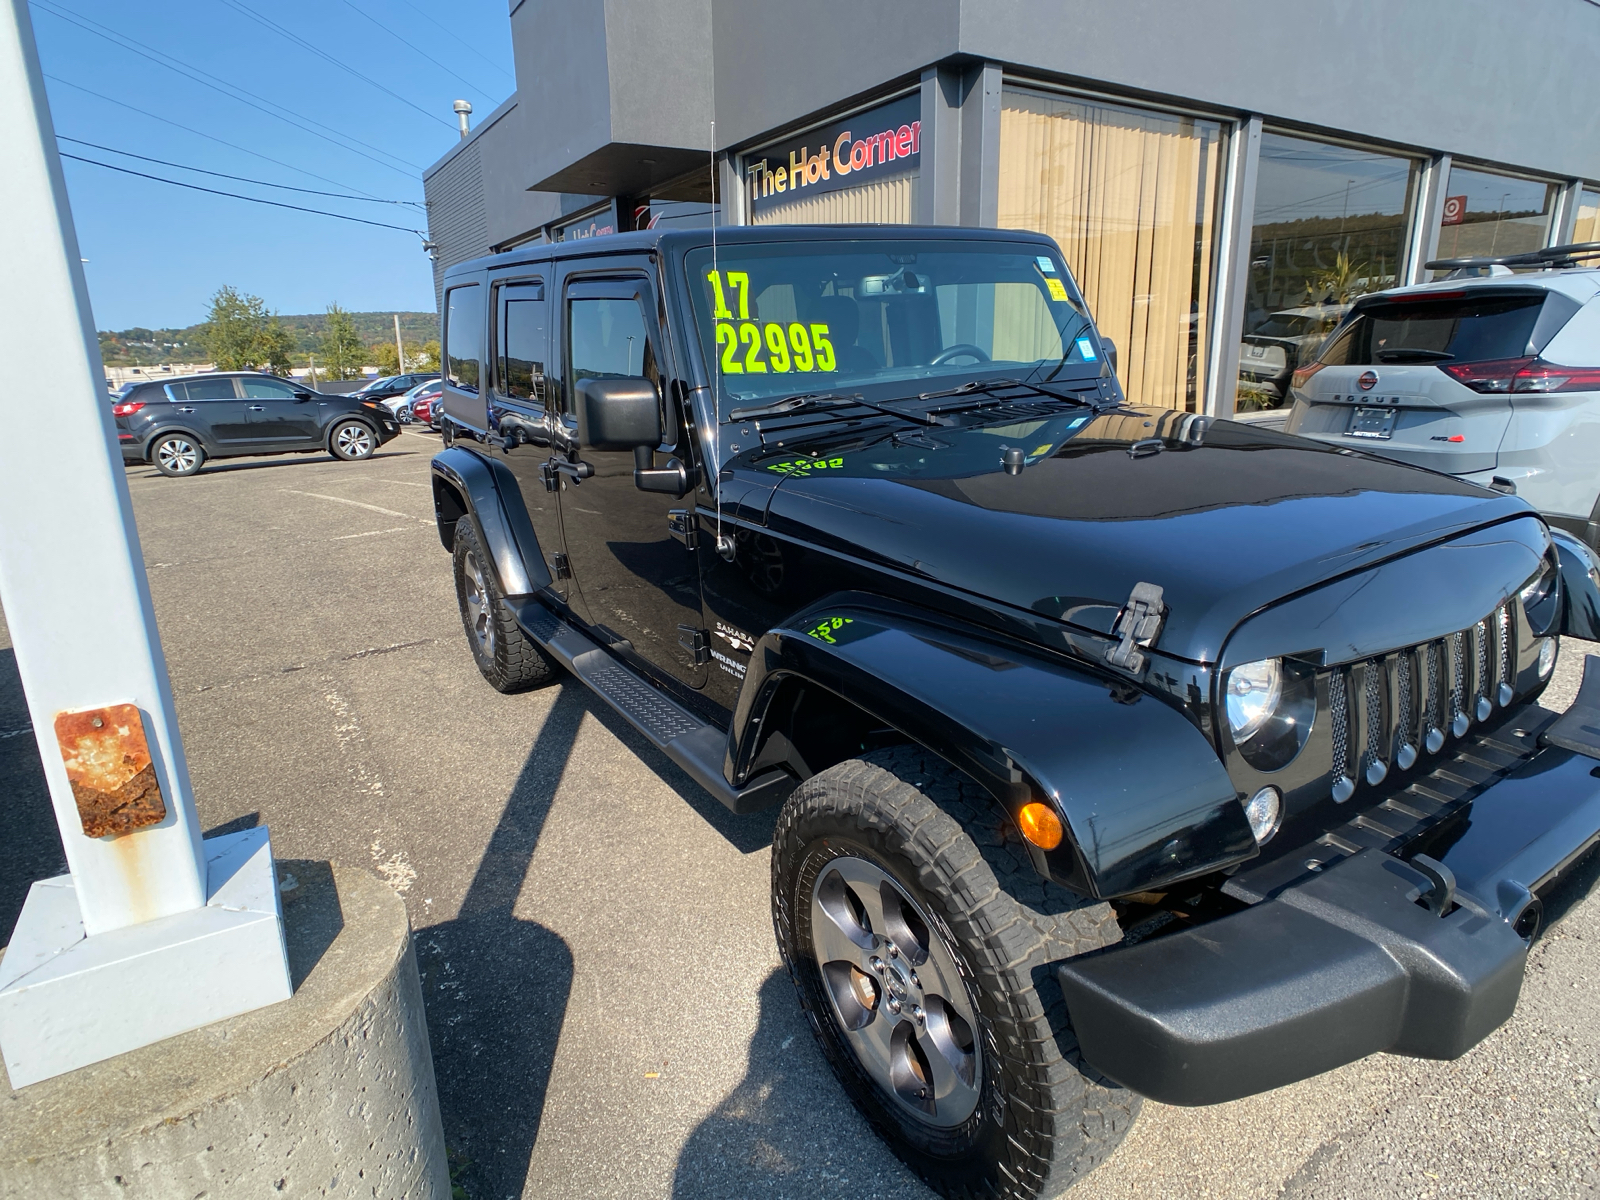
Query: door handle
(256, 408)
(184, 408)
(579, 471)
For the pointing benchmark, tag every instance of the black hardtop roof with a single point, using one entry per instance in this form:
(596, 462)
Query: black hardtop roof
(676, 240)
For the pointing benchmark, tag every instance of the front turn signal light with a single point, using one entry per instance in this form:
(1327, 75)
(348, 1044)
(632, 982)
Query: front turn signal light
(1040, 825)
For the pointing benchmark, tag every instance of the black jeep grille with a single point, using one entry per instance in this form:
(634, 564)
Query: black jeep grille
(1388, 711)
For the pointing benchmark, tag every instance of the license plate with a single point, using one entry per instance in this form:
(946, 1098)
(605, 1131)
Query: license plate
(1258, 351)
(1371, 423)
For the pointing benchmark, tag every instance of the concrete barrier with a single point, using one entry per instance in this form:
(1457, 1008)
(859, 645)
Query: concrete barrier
(328, 1093)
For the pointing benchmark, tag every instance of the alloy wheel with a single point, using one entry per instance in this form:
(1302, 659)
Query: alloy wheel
(177, 456)
(354, 440)
(476, 598)
(896, 992)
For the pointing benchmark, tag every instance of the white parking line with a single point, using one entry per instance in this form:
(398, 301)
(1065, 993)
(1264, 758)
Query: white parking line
(388, 512)
(369, 533)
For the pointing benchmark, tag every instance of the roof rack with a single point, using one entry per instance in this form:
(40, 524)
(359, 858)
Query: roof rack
(1550, 256)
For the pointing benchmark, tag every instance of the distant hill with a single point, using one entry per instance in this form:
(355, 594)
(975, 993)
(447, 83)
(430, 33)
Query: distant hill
(140, 347)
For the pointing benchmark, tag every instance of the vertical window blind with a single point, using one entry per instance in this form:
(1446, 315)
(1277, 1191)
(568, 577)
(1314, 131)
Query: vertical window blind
(1131, 197)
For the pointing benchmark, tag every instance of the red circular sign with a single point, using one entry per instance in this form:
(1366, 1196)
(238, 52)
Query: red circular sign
(1368, 380)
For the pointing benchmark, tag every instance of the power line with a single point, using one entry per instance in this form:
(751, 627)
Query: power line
(160, 58)
(195, 187)
(473, 49)
(415, 48)
(209, 137)
(239, 178)
(268, 23)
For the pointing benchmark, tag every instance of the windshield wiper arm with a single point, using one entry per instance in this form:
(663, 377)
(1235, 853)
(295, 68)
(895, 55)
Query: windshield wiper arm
(981, 387)
(815, 400)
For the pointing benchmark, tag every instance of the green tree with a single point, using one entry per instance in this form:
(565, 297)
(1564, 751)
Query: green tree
(342, 349)
(277, 346)
(427, 358)
(233, 330)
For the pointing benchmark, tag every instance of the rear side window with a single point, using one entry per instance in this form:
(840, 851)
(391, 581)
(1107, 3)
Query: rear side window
(524, 337)
(210, 389)
(463, 336)
(1464, 328)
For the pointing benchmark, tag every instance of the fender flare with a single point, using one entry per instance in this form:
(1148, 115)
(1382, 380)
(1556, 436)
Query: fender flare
(1580, 587)
(468, 484)
(1140, 789)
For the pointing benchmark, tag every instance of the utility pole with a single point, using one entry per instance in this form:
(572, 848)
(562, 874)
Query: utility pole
(313, 359)
(399, 347)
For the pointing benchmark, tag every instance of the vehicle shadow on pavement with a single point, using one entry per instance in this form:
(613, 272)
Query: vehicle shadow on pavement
(30, 846)
(787, 1129)
(746, 832)
(496, 986)
(215, 467)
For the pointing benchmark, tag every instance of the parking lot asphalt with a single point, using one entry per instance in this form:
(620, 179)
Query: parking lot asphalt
(607, 1011)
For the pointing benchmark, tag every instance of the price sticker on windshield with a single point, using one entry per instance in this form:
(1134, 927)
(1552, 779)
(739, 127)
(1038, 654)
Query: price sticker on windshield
(1058, 290)
(750, 347)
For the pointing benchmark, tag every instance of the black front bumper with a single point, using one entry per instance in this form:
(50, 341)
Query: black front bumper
(1347, 960)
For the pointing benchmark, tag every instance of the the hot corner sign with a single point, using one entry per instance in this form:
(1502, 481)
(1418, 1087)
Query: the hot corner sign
(878, 144)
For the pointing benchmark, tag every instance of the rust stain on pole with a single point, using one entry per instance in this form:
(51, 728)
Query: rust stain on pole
(108, 764)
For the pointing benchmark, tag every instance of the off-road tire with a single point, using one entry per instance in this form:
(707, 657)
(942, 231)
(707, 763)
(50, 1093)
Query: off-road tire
(177, 455)
(1044, 1119)
(352, 440)
(508, 658)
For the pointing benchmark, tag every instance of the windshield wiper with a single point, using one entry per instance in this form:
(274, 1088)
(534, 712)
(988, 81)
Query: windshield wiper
(1419, 355)
(987, 387)
(811, 401)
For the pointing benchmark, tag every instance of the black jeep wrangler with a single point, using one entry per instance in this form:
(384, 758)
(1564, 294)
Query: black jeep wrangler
(1122, 752)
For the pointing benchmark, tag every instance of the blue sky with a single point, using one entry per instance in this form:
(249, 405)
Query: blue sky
(156, 253)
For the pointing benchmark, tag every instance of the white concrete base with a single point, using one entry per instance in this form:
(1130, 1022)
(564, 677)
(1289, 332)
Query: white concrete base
(67, 1000)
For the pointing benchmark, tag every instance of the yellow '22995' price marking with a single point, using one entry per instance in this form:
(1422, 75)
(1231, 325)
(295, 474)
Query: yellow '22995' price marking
(753, 348)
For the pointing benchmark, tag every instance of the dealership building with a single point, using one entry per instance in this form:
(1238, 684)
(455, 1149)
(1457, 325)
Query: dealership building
(1224, 178)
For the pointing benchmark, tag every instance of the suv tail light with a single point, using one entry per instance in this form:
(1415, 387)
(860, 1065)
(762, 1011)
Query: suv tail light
(126, 409)
(1523, 375)
(1303, 375)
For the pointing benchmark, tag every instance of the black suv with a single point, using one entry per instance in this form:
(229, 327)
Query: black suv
(394, 385)
(1121, 751)
(179, 423)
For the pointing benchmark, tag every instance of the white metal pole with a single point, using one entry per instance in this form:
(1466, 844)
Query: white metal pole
(399, 347)
(72, 578)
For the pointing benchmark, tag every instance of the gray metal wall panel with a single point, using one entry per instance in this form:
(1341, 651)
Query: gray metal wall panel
(1508, 83)
(457, 224)
(563, 79)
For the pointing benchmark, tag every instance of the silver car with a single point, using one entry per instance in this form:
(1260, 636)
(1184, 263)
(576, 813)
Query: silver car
(1487, 374)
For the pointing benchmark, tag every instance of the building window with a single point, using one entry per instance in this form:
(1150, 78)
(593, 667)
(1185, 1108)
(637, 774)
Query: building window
(1587, 228)
(1330, 225)
(1131, 196)
(1490, 214)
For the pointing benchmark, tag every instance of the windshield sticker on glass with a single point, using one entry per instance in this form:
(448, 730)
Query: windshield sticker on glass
(1086, 348)
(925, 315)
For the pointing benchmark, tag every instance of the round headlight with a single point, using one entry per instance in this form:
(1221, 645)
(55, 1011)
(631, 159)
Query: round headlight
(1264, 811)
(1252, 696)
(1547, 657)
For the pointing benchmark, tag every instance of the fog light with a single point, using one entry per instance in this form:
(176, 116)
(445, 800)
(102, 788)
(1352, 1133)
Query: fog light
(1040, 825)
(1547, 657)
(1264, 812)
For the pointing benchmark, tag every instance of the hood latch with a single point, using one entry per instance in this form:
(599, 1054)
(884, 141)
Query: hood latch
(1138, 625)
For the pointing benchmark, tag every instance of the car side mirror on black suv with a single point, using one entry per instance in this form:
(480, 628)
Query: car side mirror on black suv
(302, 397)
(625, 414)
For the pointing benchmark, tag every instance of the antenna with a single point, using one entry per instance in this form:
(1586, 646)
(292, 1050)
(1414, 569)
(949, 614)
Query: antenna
(724, 545)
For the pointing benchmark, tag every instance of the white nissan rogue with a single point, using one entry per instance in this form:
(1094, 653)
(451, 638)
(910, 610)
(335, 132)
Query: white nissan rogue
(1488, 374)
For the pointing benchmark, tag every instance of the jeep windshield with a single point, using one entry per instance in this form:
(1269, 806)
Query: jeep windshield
(885, 318)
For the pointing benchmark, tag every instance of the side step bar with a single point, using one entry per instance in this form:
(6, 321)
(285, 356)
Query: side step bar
(699, 748)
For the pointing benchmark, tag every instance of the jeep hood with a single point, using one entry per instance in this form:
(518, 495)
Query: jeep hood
(1226, 518)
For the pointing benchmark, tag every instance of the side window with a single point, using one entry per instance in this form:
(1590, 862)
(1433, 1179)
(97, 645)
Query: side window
(176, 392)
(463, 336)
(523, 346)
(607, 339)
(211, 389)
(270, 389)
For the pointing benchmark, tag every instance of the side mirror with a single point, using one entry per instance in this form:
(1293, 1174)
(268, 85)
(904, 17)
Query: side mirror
(1110, 348)
(302, 397)
(618, 414)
